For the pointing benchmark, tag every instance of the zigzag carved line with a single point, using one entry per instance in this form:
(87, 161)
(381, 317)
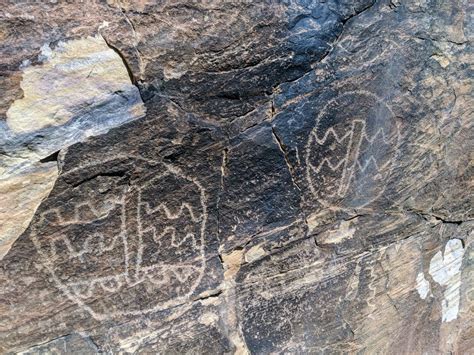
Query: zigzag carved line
(380, 132)
(60, 220)
(361, 166)
(172, 231)
(367, 162)
(103, 247)
(85, 289)
(328, 163)
(329, 132)
(168, 213)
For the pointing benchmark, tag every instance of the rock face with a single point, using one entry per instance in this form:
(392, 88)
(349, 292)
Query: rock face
(80, 89)
(237, 177)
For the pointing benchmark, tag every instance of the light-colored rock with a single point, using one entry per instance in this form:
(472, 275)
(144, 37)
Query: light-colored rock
(445, 268)
(422, 285)
(75, 77)
(254, 253)
(232, 263)
(21, 196)
(338, 235)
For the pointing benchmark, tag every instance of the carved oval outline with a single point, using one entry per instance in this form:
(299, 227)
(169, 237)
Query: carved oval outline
(314, 131)
(159, 307)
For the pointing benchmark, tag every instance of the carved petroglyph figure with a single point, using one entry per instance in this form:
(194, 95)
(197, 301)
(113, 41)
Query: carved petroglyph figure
(140, 249)
(350, 152)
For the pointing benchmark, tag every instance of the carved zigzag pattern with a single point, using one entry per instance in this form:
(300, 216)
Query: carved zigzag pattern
(360, 165)
(97, 244)
(86, 289)
(170, 215)
(185, 210)
(90, 246)
(83, 213)
(326, 162)
(380, 133)
(172, 232)
(112, 284)
(330, 133)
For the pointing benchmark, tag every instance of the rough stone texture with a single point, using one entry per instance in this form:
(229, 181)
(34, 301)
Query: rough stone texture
(81, 88)
(236, 177)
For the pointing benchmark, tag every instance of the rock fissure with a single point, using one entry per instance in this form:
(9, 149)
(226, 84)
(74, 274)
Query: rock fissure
(282, 148)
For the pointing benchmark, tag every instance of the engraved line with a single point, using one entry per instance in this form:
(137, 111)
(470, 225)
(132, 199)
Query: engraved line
(168, 213)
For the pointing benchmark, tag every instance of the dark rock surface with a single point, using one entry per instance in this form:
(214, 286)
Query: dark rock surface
(289, 177)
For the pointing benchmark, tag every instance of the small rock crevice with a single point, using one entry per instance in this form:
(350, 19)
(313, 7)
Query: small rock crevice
(284, 152)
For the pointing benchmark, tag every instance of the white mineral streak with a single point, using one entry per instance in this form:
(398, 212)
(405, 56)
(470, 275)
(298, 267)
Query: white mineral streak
(81, 89)
(422, 285)
(445, 269)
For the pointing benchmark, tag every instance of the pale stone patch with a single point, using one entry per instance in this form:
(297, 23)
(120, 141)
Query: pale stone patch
(317, 219)
(208, 318)
(232, 262)
(445, 269)
(338, 235)
(422, 285)
(75, 76)
(442, 60)
(254, 253)
(20, 196)
(46, 52)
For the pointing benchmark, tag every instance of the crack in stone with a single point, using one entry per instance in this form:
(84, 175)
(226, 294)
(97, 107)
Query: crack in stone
(124, 61)
(223, 169)
(282, 148)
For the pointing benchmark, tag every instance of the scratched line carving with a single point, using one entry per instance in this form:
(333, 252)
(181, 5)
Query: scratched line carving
(138, 249)
(351, 150)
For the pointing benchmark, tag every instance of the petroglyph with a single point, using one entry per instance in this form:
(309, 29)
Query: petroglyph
(368, 52)
(151, 235)
(350, 152)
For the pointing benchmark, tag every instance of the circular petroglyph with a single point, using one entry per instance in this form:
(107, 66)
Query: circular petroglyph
(116, 249)
(368, 52)
(351, 150)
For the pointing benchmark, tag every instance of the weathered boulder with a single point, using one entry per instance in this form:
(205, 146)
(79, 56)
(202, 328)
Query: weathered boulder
(236, 177)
